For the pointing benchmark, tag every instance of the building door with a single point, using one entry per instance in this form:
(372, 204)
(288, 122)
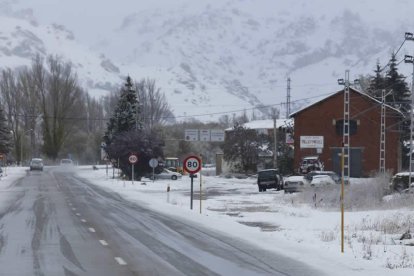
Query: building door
(355, 161)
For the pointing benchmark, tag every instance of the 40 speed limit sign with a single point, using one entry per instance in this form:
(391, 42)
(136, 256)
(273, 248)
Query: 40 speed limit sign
(192, 164)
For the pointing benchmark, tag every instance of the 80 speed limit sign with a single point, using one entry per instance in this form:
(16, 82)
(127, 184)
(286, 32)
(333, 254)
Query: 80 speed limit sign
(192, 164)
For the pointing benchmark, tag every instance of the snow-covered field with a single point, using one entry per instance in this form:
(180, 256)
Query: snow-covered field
(288, 223)
(285, 223)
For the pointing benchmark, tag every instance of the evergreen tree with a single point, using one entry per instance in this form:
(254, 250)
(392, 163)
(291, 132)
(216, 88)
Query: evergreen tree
(125, 117)
(5, 136)
(395, 82)
(377, 83)
(125, 135)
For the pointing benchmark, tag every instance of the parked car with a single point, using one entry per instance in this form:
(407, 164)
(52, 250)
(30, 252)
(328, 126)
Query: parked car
(36, 164)
(270, 178)
(310, 163)
(294, 183)
(333, 175)
(1, 171)
(321, 180)
(399, 181)
(167, 174)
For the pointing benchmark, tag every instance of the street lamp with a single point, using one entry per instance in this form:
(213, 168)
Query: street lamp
(21, 146)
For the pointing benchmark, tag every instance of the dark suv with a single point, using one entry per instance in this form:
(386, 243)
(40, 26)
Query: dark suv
(399, 182)
(270, 178)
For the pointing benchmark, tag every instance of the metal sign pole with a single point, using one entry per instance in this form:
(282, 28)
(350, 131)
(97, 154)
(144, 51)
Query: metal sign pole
(132, 174)
(191, 197)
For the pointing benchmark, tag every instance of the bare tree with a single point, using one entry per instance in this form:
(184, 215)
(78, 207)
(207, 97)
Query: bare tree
(60, 105)
(11, 96)
(155, 109)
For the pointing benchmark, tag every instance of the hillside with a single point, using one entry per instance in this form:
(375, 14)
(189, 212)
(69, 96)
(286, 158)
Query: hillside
(210, 57)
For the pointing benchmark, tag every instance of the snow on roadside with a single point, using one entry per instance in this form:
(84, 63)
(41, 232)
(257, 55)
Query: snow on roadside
(10, 174)
(278, 222)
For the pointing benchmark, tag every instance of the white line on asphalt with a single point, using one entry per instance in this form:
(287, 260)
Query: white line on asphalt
(120, 261)
(83, 220)
(78, 214)
(103, 242)
(70, 204)
(92, 230)
(74, 209)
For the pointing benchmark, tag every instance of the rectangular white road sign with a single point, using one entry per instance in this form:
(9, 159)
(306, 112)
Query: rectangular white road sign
(191, 135)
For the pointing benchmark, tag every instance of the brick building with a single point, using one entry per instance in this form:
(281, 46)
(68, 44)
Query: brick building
(324, 121)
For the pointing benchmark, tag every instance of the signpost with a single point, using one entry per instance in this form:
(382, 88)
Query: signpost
(311, 142)
(133, 158)
(191, 135)
(153, 164)
(192, 165)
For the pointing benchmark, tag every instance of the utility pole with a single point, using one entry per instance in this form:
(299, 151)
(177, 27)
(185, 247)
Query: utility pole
(345, 151)
(382, 135)
(288, 98)
(275, 115)
(410, 59)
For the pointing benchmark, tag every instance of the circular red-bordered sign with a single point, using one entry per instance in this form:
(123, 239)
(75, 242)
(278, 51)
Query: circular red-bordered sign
(133, 159)
(192, 164)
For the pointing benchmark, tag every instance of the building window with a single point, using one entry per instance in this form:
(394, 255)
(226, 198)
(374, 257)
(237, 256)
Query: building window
(339, 126)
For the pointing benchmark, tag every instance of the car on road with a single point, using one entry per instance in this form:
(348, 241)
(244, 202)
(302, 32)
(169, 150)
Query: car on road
(270, 178)
(167, 174)
(294, 183)
(36, 164)
(66, 162)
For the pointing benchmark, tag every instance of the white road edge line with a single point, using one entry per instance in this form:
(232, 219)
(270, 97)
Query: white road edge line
(103, 242)
(83, 220)
(120, 261)
(78, 214)
(92, 230)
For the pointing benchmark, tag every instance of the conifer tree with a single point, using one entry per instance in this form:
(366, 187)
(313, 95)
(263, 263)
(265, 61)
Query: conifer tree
(377, 83)
(395, 82)
(125, 117)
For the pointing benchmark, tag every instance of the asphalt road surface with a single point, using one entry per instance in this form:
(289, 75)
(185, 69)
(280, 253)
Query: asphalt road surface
(55, 223)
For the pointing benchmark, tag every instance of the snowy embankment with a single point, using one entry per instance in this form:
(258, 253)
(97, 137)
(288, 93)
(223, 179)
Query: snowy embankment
(291, 224)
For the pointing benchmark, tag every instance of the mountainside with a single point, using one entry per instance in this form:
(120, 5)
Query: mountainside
(211, 57)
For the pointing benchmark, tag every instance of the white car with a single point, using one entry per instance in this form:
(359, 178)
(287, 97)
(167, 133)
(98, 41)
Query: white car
(36, 164)
(66, 162)
(167, 174)
(294, 183)
(322, 180)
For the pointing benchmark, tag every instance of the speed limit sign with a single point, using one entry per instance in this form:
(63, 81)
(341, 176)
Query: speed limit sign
(192, 164)
(132, 159)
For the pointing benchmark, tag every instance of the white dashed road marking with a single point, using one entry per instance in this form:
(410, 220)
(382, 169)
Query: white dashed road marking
(74, 209)
(92, 230)
(78, 214)
(103, 242)
(120, 261)
(83, 220)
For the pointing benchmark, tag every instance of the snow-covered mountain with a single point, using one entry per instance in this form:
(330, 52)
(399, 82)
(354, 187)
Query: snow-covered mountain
(210, 56)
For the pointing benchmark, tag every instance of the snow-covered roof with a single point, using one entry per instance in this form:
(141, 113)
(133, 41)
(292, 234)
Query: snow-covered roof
(266, 124)
(341, 91)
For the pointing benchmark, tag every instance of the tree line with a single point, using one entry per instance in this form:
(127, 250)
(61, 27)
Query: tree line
(45, 112)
